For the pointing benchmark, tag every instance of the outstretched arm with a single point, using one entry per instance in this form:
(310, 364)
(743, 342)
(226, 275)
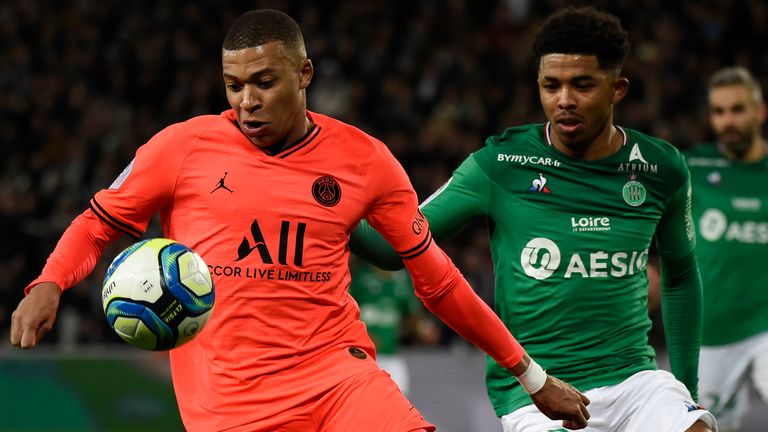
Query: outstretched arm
(681, 289)
(681, 297)
(74, 257)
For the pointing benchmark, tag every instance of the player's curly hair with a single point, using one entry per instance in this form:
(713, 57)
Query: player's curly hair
(583, 30)
(258, 27)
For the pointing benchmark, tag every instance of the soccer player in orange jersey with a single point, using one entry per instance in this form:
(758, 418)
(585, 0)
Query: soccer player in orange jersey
(268, 194)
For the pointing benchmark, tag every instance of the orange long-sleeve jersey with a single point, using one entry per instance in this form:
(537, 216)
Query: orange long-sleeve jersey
(273, 230)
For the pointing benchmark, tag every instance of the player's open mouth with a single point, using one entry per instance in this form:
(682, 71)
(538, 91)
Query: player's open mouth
(253, 128)
(568, 124)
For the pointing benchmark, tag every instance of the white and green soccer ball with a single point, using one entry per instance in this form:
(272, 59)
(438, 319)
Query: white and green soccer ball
(157, 294)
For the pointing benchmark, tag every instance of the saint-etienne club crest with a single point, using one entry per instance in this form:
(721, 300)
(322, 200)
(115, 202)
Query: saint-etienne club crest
(633, 191)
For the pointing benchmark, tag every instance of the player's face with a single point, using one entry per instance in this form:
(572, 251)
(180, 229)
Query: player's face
(578, 96)
(735, 117)
(266, 89)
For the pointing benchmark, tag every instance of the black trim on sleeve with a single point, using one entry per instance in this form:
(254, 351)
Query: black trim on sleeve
(419, 249)
(99, 211)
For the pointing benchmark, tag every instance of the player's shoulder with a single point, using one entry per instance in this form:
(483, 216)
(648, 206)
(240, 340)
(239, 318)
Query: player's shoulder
(651, 143)
(348, 140)
(516, 137)
(648, 149)
(514, 142)
(705, 155)
(186, 132)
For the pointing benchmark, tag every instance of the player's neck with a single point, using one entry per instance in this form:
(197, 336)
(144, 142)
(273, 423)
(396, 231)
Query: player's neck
(285, 144)
(757, 151)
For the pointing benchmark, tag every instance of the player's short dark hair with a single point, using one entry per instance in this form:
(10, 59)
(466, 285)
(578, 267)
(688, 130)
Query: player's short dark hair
(586, 31)
(258, 27)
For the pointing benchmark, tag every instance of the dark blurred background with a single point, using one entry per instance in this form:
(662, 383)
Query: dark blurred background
(83, 83)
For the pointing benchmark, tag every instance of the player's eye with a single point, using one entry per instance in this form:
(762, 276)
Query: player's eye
(266, 84)
(234, 87)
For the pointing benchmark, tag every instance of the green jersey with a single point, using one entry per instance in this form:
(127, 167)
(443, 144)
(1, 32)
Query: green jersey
(385, 300)
(569, 242)
(730, 206)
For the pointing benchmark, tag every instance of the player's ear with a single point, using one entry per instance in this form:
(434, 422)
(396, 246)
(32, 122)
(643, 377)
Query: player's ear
(306, 71)
(620, 87)
(762, 112)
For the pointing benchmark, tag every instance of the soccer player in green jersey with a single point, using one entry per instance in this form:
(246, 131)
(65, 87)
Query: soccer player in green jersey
(573, 206)
(389, 310)
(730, 205)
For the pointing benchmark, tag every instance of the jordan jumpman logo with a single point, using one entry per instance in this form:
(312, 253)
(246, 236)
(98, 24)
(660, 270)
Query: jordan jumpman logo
(221, 185)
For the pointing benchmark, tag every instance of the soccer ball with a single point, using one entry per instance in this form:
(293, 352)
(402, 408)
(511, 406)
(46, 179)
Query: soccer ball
(157, 294)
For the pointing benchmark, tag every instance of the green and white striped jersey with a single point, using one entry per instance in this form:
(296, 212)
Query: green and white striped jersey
(569, 242)
(730, 208)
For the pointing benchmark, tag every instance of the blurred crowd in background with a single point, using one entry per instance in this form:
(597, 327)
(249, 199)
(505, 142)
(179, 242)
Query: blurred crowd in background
(83, 83)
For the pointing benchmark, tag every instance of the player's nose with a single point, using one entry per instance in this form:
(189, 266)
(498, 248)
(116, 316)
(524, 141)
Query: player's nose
(565, 99)
(251, 99)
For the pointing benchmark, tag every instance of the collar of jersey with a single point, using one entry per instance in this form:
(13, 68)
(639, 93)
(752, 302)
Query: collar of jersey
(548, 134)
(299, 144)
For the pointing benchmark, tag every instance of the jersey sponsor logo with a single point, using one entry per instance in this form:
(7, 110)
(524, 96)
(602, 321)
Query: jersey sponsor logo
(541, 258)
(746, 204)
(260, 244)
(524, 160)
(418, 223)
(637, 162)
(539, 185)
(634, 167)
(633, 191)
(289, 236)
(714, 178)
(270, 273)
(326, 191)
(636, 155)
(123, 175)
(591, 223)
(597, 264)
(708, 162)
(221, 185)
(714, 226)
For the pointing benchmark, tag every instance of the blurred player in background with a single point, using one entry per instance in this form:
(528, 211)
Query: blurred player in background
(390, 312)
(730, 206)
(573, 206)
(268, 193)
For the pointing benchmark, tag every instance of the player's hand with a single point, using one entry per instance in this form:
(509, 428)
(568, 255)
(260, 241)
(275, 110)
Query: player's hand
(34, 316)
(559, 400)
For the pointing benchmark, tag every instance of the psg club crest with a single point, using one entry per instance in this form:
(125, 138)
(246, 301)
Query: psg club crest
(326, 191)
